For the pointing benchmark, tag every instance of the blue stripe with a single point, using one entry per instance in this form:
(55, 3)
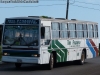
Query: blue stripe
(90, 47)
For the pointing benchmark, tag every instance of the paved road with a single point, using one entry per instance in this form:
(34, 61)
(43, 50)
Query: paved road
(91, 67)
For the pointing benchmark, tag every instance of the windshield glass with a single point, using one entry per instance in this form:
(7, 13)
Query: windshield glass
(21, 35)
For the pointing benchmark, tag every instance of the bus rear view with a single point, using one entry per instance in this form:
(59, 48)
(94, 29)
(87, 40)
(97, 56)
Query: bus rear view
(21, 41)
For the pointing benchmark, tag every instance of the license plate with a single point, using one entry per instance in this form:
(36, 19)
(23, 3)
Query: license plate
(19, 60)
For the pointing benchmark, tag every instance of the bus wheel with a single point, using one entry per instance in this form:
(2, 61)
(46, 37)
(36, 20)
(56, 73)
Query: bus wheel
(82, 60)
(51, 62)
(17, 65)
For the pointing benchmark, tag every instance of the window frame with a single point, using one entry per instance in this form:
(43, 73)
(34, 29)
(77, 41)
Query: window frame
(90, 31)
(55, 30)
(49, 30)
(79, 30)
(61, 30)
(96, 35)
(74, 30)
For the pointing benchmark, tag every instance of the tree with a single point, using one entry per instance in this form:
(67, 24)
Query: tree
(45, 17)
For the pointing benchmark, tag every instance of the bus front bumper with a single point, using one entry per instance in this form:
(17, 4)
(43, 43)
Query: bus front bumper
(32, 60)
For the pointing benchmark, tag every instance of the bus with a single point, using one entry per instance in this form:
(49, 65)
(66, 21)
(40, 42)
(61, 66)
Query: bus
(1, 30)
(36, 40)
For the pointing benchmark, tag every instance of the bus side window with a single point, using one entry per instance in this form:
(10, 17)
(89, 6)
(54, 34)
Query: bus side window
(42, 32)
(45, 32)
(45, 35)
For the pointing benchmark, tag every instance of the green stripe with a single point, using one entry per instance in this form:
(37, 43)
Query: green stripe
(55, 48)
(61, 50)
(58, 51)
(62, 53)
(58, 58)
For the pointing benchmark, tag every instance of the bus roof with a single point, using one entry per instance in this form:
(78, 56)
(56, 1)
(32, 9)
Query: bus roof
(2, 24)
(69, 21)
(57, 20)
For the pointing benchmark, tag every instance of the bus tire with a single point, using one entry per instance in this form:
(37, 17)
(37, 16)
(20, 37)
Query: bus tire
(51, 62)
(82, 60)
(17, 65)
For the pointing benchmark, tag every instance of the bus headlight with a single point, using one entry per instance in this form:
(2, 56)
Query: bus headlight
(35, 55)
(6, 54)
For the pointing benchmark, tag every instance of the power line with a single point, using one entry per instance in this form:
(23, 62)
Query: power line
(87, 3)
(86, 7)
(72, 3)
(32, 6)
(51, 5)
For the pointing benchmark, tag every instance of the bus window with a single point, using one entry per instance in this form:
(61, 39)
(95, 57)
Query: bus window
(55, 26)
(79, 31)
(85, 31)
(42, 32)
(90, 31)
(63, 30)
(22, 35)
(45, 35)
(45, 32)
(96, 31)
(71, 30)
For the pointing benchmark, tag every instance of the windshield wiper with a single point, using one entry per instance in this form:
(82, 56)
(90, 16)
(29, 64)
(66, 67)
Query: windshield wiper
(35, 41)
(17, 40)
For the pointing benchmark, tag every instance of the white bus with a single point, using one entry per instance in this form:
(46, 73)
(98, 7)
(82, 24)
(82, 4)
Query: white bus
(48, 41)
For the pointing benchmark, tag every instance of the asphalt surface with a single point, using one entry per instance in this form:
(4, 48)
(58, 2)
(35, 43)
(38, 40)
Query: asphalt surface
(91, 67)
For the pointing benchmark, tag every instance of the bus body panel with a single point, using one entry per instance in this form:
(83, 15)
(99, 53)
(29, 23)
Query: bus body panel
(45, 55)
(72, 51)
(46, 23)
(15, 59)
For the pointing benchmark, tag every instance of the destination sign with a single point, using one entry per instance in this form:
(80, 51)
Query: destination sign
(22, 21)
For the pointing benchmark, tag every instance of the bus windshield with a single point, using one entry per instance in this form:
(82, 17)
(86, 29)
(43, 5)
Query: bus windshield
(21, 35)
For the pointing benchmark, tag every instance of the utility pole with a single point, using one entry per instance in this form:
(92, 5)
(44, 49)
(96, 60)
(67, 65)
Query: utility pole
(67, 9)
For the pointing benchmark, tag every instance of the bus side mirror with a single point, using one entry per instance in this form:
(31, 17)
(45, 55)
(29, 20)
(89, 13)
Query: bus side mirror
(42, 32)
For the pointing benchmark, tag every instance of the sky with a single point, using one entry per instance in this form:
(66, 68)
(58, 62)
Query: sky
(77, 10)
